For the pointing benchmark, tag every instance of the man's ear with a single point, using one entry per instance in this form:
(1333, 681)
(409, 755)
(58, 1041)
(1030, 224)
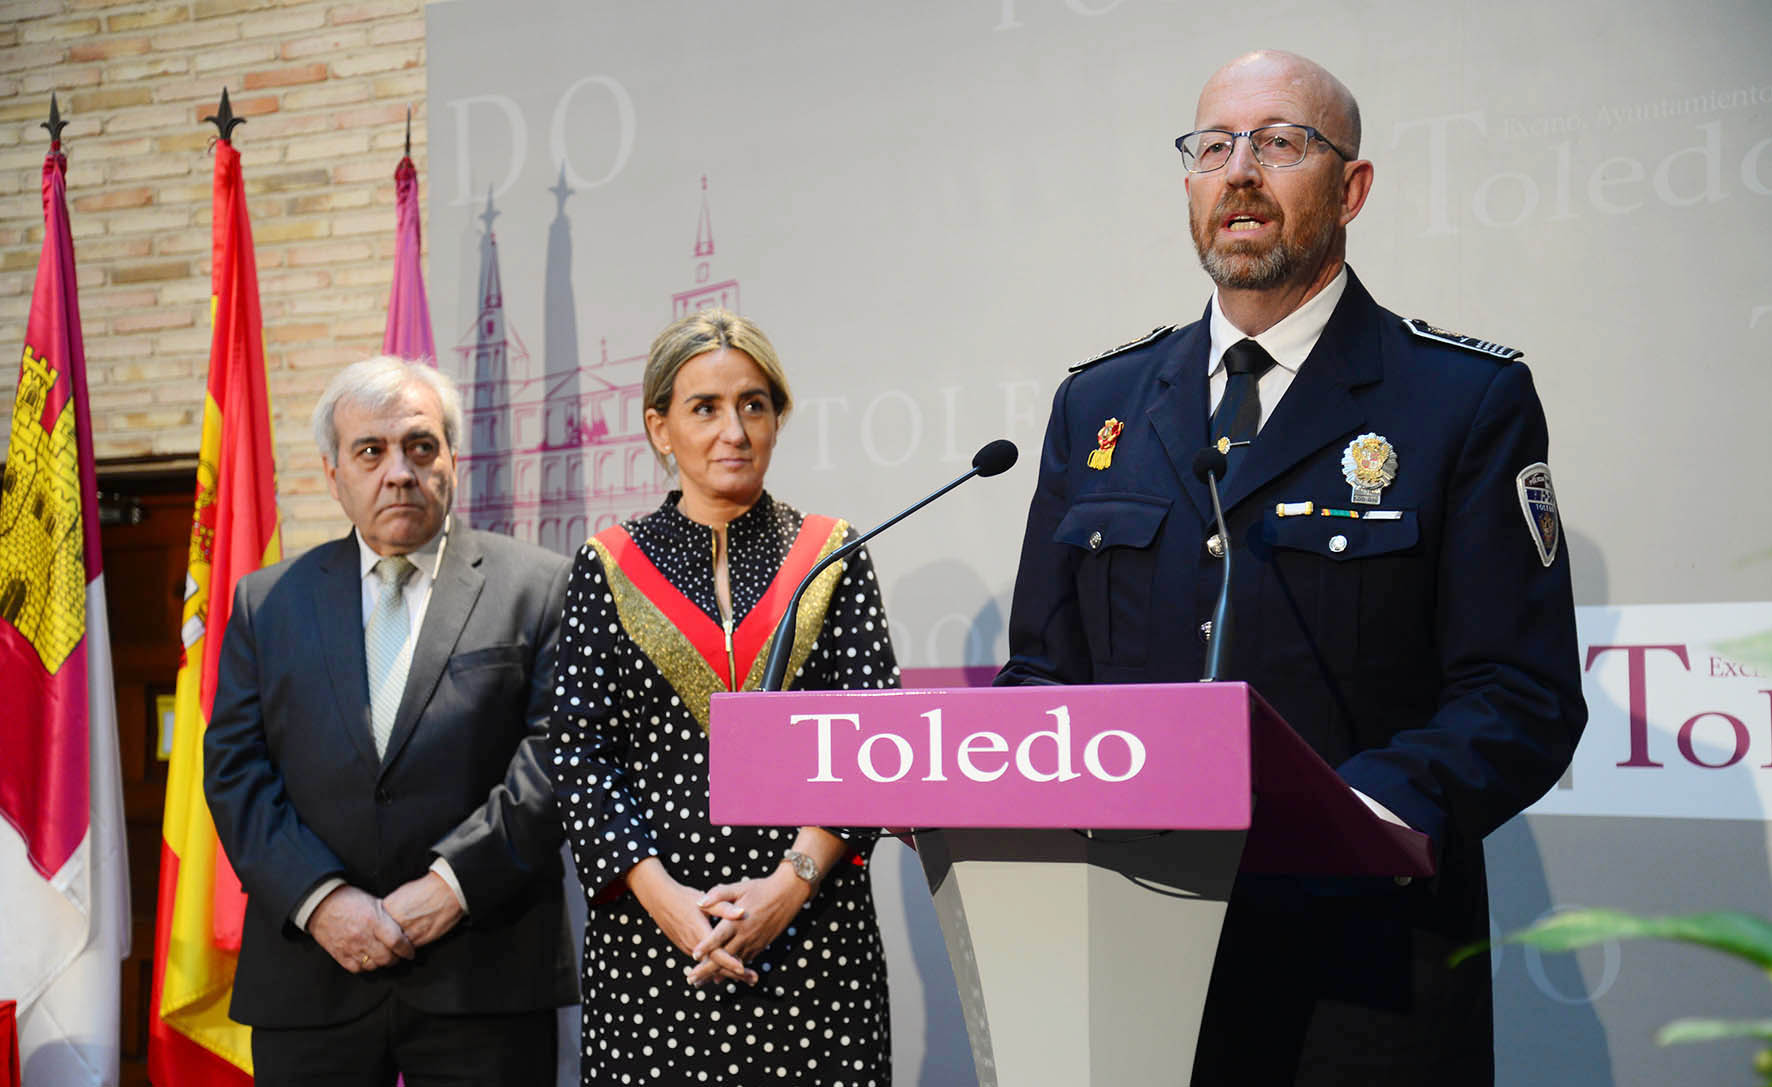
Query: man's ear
(1356, 185)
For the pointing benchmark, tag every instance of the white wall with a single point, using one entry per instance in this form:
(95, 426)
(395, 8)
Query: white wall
(935, 207)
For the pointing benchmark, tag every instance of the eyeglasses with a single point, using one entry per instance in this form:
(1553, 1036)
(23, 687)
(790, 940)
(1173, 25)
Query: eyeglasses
(1273, 145)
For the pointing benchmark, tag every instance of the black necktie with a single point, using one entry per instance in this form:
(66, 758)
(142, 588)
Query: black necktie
(1239, 411)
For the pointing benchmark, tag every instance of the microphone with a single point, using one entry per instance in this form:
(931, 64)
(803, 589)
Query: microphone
(1209, 467)
(1209, 462)
(992, 460)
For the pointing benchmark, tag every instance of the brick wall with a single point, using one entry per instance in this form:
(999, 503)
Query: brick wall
(324, 86)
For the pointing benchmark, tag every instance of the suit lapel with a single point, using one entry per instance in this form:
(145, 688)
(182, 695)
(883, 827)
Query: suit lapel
(338, 624)
(1178, 413)
(453, 595)
(1319, 407)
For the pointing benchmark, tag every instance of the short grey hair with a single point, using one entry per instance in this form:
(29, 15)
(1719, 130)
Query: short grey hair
(376, 383)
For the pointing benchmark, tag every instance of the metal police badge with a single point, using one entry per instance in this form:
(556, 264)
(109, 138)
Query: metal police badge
(1369, 464)
(1105, 439)
(1538, 501)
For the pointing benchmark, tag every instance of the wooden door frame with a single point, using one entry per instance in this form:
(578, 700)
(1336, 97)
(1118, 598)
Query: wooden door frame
(130, 490)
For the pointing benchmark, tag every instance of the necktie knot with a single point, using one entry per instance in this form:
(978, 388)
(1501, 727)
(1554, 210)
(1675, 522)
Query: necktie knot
(1247, 357)
(394, 571)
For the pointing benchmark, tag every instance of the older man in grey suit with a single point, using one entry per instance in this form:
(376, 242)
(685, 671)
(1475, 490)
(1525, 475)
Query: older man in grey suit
(372, 766)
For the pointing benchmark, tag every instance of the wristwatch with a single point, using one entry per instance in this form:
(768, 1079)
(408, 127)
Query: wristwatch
(804, 866)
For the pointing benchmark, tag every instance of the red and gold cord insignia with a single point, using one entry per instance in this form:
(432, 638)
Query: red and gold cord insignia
(1105, 439)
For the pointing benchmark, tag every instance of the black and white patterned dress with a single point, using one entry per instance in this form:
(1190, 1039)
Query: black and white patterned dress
(630, 766)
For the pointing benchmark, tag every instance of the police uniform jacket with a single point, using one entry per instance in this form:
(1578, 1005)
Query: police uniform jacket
(1429, 657)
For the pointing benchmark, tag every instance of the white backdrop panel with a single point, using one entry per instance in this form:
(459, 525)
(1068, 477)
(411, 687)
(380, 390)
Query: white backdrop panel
(934, 207)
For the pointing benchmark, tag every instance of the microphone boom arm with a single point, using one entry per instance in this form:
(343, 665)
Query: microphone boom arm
(1221, 613)
(781, 646)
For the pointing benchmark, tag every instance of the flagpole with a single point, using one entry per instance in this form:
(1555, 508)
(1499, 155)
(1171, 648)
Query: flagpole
(191, 1039)
(63, 873)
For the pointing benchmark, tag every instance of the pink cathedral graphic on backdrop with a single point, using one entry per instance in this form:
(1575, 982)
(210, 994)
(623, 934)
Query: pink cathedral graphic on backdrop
(558, 452)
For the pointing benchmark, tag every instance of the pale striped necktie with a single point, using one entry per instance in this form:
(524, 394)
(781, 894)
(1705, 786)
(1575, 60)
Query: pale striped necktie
(388, 652)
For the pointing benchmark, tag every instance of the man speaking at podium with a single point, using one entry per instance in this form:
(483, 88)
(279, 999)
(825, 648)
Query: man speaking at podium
(1398, 590)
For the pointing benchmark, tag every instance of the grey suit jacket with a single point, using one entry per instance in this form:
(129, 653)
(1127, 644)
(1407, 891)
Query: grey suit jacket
(298, 794)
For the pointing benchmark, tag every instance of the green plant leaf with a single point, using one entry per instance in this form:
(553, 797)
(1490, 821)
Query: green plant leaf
(1740, 934)
(1710, 1030)
(1752, 649)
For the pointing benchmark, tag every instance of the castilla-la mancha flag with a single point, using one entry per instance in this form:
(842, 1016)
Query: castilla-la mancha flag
(64, 878)
(191, 1040)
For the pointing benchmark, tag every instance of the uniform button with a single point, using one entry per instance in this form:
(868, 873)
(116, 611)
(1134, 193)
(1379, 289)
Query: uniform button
(1094, 539)
(1338, 544)
(1206, 631)
(1215, 546)
(383, 797)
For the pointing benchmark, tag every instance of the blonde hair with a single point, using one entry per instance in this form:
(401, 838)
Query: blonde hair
(697, 334)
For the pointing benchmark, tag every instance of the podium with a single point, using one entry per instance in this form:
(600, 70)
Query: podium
(1082, 956)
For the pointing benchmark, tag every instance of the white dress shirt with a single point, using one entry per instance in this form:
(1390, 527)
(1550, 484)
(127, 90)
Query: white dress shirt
(416, 594)
(1288, 343)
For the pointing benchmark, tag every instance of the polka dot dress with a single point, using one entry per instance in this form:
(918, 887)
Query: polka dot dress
(630, 766)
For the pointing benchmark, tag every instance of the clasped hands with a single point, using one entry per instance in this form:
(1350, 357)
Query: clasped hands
(724, 927)
(363, 933)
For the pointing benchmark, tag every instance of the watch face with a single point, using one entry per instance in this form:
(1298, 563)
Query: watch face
(804, 867)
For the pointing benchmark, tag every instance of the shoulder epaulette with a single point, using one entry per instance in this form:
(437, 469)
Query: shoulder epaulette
(1129, 345)
(1469, 343)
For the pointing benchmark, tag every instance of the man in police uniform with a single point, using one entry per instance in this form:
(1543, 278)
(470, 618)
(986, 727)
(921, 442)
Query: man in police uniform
(1399, 591)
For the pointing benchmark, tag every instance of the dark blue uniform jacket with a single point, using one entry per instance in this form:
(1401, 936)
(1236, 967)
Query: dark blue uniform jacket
(1431, 658)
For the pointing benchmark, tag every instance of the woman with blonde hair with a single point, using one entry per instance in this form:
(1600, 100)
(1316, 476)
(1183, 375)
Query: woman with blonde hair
(713, 954)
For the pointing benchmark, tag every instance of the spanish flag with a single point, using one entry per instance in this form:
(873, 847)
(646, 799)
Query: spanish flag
(64, 879)
(191, 1040)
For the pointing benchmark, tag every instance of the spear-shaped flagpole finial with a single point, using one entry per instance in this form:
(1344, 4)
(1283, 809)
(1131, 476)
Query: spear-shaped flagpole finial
(408, 131)
(223, 118)
(55, 124)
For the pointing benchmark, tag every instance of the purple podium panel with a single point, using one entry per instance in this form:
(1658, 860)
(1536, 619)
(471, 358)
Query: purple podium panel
(1017, 793)
(1133, 757)
(1308, 822)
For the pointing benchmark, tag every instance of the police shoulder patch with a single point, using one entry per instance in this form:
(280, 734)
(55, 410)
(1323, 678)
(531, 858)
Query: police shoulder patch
(1538, 501)
(1458, 339)
(1127, 346)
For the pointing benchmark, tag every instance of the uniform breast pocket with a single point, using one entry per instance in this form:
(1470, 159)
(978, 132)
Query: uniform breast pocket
(1354, 586)
(1117, 535)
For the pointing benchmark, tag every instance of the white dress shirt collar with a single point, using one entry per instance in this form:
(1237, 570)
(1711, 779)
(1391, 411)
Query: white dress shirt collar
(427, 557)
(1290, 340)
(417, 593)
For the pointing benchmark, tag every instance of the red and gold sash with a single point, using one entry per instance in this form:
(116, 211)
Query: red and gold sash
(687, 646)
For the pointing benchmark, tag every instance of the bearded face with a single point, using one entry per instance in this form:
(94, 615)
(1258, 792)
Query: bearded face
(1247, 240)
